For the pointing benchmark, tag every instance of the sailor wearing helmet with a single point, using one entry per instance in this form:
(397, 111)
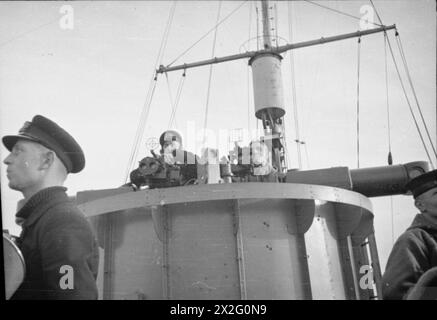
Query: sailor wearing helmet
(171, 145)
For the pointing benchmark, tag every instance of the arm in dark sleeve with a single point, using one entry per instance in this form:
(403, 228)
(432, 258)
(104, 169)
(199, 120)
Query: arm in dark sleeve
(407, 262)
(426, 287)
(69, 257)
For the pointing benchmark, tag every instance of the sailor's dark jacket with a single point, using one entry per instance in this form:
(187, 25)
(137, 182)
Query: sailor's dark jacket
(59, 249)
(414, 253)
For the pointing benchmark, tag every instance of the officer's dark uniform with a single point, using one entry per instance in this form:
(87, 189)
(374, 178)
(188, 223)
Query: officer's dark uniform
(411, 268)
(57, 242)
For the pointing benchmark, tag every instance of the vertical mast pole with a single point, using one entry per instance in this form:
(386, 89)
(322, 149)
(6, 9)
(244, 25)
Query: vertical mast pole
(268, 92)
(266, 24)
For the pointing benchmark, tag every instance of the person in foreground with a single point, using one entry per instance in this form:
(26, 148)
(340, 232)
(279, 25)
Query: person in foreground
(57, 242)
(411, 271)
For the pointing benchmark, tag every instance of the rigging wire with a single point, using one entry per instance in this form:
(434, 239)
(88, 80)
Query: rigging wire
(205, 35)
(248, 72)
(404, 60)
(376, 11)
(321, 51)
(401, 50)
(176, 102)
(390, 157)
(340, 12)
(143, 117)
(405, 93)
(169, 92)
(25, 33)
(293, 89)
(166, 35)
(152, 85)
(257, 28)
(410, 108)
(205, 122)
(358, 101)
(178, 97)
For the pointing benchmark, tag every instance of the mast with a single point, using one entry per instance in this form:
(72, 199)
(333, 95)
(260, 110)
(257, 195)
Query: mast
(267, 80)
(279, 49)
(268, 93)
(267, 42)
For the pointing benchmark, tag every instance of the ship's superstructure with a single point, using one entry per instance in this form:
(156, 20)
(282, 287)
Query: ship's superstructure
(218, 230)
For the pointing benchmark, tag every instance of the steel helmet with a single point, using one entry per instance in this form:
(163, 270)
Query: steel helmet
(169, 136)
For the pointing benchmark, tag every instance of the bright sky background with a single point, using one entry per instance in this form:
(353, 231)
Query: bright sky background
(93, 81)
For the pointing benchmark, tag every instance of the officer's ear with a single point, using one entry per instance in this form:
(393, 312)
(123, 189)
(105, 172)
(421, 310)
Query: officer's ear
(47, 159)
(420, 204)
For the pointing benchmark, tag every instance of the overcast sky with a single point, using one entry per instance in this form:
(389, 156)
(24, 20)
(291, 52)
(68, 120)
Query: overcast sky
(93, 81)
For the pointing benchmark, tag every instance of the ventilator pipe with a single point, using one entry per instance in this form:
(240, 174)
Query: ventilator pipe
(386, 180)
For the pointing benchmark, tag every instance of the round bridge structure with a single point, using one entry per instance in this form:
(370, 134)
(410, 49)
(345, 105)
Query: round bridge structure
(234, 241)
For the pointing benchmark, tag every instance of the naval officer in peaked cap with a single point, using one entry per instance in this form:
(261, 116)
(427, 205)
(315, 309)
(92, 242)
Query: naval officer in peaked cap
(411, 271)
(57, 242)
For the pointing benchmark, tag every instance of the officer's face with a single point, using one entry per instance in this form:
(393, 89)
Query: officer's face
(24, 165)
(169, 147)
(427, 202)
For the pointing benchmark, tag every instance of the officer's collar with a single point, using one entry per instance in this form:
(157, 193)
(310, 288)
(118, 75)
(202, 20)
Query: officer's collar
(38, 203)
(430, 219)
(424, 222)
